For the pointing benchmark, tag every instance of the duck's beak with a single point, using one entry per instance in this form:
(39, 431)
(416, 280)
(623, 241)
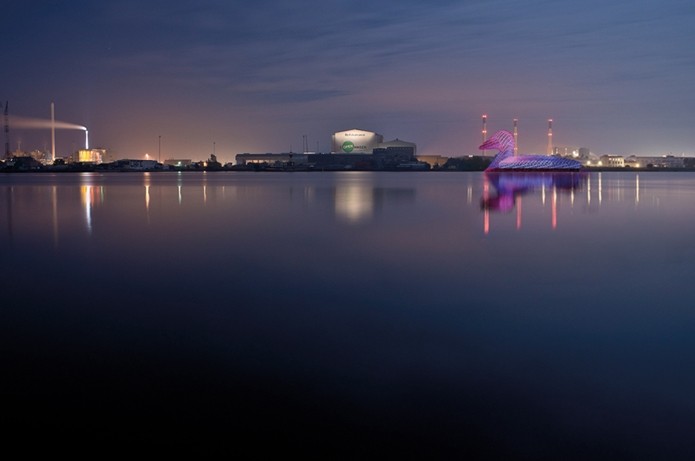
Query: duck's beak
(489, 144)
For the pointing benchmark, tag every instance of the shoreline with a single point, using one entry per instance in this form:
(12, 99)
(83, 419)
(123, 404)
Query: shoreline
(315, 170)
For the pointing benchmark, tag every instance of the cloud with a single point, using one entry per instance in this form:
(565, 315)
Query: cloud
(384, 62)
(295, 96)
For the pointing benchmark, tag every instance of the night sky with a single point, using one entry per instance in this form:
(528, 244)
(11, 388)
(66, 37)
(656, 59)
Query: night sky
(615, 76)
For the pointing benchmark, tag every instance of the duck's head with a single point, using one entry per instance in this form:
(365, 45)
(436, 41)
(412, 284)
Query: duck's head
(502, 140)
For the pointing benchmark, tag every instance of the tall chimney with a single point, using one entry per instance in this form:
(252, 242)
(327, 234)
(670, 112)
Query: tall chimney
(484, 131)
(550, 136)
(53, 132)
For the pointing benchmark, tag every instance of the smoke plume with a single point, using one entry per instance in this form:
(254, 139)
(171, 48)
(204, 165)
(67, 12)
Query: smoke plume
(42, 124)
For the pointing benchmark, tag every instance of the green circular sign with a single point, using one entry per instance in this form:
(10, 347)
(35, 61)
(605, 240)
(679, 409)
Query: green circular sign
(348, 146)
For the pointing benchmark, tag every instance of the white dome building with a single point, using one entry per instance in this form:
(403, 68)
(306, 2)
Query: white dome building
(355, 141)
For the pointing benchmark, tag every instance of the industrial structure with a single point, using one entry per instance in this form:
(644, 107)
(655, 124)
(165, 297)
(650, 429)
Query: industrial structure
(277, 159)
(484, 132)
(566, 151)
(7, 130)
(178, 162)
(53, 132)
(550, 137)
(355, 141)
(550, 149)
(91, 155)
(351, 149)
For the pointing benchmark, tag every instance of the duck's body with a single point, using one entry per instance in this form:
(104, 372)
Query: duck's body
(535, 162)
(505, 160)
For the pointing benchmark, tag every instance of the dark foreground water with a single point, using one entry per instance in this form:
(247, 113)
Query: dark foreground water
(351, 314)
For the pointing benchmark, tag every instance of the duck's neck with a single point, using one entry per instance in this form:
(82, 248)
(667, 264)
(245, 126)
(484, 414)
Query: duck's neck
(501, 155)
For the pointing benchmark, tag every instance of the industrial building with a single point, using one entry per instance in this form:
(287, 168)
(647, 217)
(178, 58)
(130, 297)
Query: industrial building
(96, 156)
(351, 149)
(663, 161)
(178, 162)
(614, 161)
(380, 154)
(135, 165)
(355, 141)
(566, 151)
(398, 146)
(392, 154)
(272, 159)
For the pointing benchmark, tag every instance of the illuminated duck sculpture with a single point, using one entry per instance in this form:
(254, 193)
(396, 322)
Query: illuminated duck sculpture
(505, 160)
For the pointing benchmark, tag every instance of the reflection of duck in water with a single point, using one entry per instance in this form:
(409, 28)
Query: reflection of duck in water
(512, 185)
(506, 160)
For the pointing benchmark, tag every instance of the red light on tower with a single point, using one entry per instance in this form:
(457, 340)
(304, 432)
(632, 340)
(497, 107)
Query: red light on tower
(550, 136)
(484, 132)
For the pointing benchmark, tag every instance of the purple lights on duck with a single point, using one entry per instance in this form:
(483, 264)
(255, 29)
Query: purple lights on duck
(506, 160)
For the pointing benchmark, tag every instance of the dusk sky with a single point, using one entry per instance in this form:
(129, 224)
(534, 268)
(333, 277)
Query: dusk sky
(616, 76)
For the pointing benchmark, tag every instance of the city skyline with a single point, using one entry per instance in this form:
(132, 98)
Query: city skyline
(239, 77)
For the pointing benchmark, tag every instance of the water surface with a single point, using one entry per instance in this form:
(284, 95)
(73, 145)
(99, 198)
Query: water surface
(353, 313)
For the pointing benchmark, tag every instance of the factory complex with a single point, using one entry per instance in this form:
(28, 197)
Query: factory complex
(353, 149)
(350, 149)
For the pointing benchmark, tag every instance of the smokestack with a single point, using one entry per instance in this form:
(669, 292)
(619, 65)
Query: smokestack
(53, 132)
(550, 136)
(484, 132)
(7, 130)
(86, 139)
(516, 137)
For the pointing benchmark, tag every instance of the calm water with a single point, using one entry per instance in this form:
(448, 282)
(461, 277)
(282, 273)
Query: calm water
(352, 313)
